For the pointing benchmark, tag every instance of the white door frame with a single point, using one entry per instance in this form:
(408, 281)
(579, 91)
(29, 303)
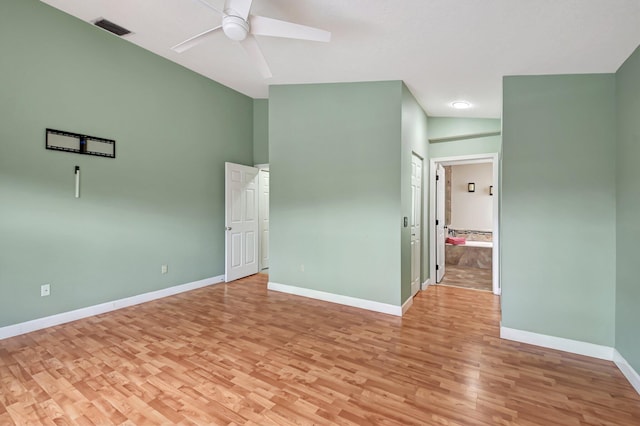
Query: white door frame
(420, 219)
(261, 167)
(492, 158)
(441, 225)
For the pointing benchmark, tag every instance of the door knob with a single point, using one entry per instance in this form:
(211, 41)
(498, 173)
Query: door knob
(228, 228)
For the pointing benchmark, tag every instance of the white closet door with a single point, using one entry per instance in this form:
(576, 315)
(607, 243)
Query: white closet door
(241, 221)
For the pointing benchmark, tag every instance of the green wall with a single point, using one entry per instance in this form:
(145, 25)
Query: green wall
(160, 201)
(447, 127)
(414, 140)
(628, 210)
(558, 206)
(457, 131)
(260, 131)
(335, 203)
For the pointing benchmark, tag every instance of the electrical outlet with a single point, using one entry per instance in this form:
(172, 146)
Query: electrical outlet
(164, 269)
(302, 267)
(45, 290)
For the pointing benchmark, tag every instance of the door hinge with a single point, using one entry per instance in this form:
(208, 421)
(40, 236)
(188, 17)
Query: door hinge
(437, 267)
(437, 222)
(437, 177)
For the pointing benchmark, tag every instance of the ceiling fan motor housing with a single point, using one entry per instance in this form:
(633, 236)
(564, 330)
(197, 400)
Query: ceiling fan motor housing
(235, 27)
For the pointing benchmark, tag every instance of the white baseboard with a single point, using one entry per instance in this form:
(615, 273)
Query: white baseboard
(406, 305)
(61, 318)
(559, 343)
(370, 305)
(426, 284)
(632, 375)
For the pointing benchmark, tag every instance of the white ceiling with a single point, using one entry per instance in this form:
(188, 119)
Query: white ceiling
(444, 50)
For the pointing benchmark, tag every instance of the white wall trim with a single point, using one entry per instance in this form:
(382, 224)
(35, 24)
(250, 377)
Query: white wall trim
(406, 305)
(465, 159)
(576, 347)
(370, 305)
(426, 284)
(64, 317)
(559, 343)
(632, 375)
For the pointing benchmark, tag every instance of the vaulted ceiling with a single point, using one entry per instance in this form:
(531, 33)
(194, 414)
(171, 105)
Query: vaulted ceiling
(444, 50)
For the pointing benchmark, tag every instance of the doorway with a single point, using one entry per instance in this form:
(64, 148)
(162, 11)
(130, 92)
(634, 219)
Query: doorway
(263, 217)
(246, 220)
(416, 222)
(241, 221)
(477, 247)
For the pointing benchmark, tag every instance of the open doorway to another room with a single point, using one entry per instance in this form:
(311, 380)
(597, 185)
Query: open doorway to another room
(464, 221)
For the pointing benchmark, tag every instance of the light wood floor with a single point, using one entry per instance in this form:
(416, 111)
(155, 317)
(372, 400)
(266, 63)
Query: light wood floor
(239, 354)
(467, 277)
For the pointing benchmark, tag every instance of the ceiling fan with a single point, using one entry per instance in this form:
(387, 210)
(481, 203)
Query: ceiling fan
(239, 25)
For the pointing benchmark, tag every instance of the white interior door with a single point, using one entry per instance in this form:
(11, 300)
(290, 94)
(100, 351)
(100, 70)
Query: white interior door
(264, 218)
(416, 222)
(241, 221)
(440, 225)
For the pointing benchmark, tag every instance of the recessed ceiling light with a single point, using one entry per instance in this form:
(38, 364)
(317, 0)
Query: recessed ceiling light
(461, 104)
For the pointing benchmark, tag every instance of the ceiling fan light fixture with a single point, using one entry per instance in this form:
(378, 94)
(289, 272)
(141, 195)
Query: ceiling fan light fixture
(461, 104)
(235, 27)
(238, 24)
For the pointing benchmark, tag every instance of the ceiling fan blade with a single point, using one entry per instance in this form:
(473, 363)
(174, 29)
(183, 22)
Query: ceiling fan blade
(210, 6)
(241, 7)
(195, 40)
(264, 26)
(250, 45)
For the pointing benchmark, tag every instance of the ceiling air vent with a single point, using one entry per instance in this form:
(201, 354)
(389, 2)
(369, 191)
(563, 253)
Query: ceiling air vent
(111, 27)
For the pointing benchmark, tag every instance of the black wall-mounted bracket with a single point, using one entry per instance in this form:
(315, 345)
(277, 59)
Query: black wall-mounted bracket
(60, 140)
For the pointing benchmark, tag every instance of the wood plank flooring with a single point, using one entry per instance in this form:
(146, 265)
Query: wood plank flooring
(467, 277)
(235, 354)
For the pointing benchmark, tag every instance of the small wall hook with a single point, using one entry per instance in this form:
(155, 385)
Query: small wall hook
(77, 173)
